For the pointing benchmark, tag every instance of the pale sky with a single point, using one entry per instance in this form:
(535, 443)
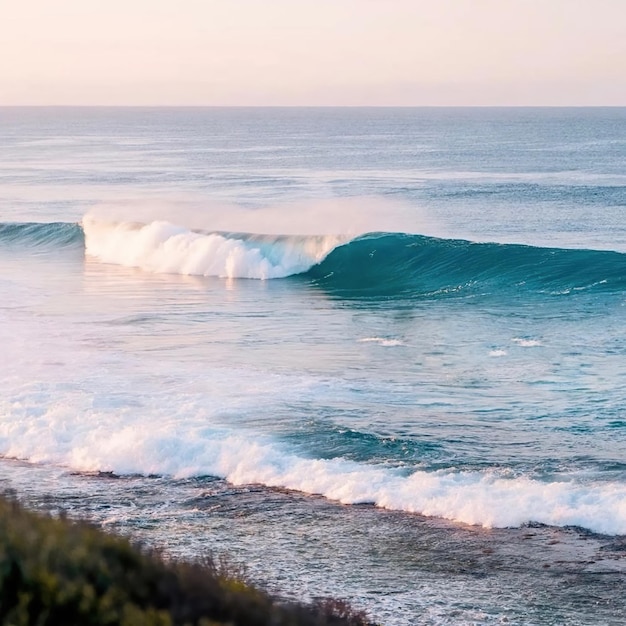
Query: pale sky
(313, 52)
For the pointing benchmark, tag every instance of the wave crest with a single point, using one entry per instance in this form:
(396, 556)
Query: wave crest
(163, 247)
(371, 265)
(416, 265)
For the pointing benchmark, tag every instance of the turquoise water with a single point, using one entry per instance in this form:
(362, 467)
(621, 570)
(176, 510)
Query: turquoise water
(374, 353)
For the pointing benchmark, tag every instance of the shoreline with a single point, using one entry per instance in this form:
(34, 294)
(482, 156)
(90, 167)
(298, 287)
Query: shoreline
(305, 547)
(57, 570)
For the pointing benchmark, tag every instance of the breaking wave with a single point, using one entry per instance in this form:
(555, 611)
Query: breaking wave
(167, 438)
(384, 264)
(163, 247)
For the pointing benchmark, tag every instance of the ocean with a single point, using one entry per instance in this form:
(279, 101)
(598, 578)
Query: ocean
(370, 353)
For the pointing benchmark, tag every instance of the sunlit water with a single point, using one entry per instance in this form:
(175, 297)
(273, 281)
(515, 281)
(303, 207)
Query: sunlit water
(266, 332)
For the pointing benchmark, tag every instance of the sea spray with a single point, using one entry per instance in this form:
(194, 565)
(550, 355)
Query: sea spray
(163, 247)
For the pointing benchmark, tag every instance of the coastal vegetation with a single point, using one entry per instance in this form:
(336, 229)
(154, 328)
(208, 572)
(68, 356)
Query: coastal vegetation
(56, 571)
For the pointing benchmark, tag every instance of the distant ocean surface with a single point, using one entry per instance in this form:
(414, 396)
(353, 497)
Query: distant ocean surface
(378, 354)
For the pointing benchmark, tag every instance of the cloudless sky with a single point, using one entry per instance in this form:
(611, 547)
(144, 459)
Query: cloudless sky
(313, 52)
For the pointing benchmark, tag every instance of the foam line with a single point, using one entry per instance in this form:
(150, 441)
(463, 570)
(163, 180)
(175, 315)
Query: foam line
(182, 442)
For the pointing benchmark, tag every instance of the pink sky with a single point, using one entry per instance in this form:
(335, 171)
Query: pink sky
(313, 52)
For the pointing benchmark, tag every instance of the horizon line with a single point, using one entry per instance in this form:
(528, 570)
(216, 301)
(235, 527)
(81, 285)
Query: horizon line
(312, 106)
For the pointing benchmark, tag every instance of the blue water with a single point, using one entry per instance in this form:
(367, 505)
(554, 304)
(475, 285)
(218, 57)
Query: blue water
(374, 353)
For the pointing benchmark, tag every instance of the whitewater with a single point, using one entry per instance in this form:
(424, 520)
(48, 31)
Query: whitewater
(278, 332)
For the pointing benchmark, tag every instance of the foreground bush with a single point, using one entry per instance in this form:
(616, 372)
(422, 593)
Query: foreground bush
(57, 572)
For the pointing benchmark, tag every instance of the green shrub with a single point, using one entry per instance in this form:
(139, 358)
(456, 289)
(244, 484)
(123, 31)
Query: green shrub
(53, 571)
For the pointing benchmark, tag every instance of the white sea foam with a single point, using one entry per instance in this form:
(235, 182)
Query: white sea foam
(185, 235)
(526, 343)
(163, 247)
(383, 341)
(166, 435)
(497, 353)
